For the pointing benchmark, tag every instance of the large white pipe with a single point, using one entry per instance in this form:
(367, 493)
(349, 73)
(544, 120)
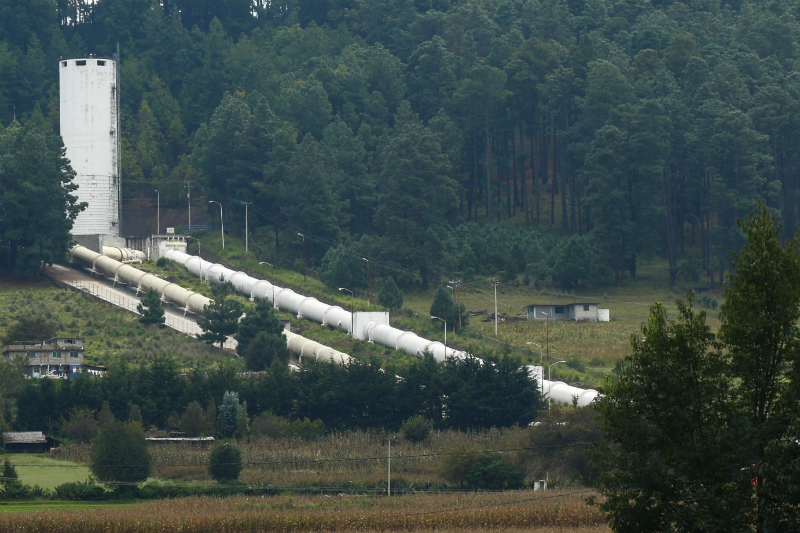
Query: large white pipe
(335, 316)
(172, 292)
(141, 280)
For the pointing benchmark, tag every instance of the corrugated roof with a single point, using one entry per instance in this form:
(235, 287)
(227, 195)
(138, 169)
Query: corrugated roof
(564, 304)
(23, 437)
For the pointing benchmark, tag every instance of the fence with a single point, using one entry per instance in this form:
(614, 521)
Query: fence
(179, 323)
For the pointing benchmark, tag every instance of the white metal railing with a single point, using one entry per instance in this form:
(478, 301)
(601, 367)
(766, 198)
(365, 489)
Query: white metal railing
(182, 324)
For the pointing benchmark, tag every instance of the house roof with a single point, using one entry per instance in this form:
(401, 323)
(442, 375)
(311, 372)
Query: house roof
(562, 303)
(24, 437)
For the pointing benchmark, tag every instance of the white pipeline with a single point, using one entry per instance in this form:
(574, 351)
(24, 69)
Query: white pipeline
(189, 300)
(332, 315)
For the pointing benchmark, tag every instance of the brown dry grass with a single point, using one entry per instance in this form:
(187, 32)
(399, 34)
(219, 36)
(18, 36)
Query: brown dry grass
(357, 456)
(510, 511)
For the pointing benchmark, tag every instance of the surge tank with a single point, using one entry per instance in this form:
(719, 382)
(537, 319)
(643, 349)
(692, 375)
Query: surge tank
(89, 113)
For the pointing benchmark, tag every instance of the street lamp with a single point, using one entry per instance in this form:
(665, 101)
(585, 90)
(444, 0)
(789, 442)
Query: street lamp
(304, 256)
(367, 260)
(158, 213)
(198, 255)
(222, 224)
(352, 307)
(550, 381)
(273, 281)
(445, 333)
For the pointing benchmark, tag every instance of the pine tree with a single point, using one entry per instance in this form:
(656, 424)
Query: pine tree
(442, 305)
(150, 308)
(229, 413)
(390, 295)
(220, 318)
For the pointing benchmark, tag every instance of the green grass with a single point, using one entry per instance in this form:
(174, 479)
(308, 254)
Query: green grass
(592, 349)
(109, 331)
(61, 505)
(40, 469)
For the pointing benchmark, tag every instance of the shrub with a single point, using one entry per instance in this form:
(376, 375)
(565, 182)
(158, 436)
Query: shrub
(77, 491)
(268, 425)
(225, 463)
(15, 490)
(304, 429)
(458, 460)
(416, 429)
(163, 262)
(494, 474)
(82, 425)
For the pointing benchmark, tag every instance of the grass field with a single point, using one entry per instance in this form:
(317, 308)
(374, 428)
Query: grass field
(40, 469)
(108, 331)
(551, 511)
(337, 458)
(592, 349)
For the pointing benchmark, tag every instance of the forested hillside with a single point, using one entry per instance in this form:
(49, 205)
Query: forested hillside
(409, 130)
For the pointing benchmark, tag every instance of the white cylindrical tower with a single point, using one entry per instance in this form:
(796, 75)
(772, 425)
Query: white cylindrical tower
(90, 129)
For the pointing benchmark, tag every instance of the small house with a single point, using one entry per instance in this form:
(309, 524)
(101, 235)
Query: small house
(56, 358)
(578, 311)
(27, 442)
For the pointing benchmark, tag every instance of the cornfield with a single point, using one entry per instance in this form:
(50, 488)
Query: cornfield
(551, 511)
(342, 457)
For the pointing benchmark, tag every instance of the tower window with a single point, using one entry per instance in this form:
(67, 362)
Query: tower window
(63, 63)
(101, 63)
(81, 63)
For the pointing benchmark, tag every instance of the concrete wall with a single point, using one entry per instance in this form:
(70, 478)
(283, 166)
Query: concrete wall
(581, 314)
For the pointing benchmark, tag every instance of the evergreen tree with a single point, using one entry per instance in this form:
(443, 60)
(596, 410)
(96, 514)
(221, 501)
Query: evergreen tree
(342, 267)
(442, 305)
(37, 206)
(221, 318)
(193, 421)
(260, 318)
(229, 413)
(390, 295)
(265, 349)
(119, 454)
(760, 332)
(151, 310)
(225, 463)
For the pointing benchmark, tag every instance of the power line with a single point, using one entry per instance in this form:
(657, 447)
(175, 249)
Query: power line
(334, 460)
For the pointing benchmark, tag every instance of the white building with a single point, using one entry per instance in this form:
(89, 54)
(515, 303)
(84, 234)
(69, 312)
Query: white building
(90, 129)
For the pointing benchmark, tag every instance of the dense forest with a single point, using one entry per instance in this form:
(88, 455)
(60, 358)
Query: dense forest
(520, 136)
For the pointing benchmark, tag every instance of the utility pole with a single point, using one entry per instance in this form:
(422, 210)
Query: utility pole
(158, 213)
(304, 256)
(246, 232)
(495, 308)
(367, 260)
(389, 470)
(221, 222)
(455, 301)
(188, 188)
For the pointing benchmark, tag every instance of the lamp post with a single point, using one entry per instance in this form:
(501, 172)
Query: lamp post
(222, 224)
(304, 256)
(445, 333)
(273, 281)
(367, 260)
(454, 287)
(198, 255)
(550, 381)
(158, 213)
(352, 307)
